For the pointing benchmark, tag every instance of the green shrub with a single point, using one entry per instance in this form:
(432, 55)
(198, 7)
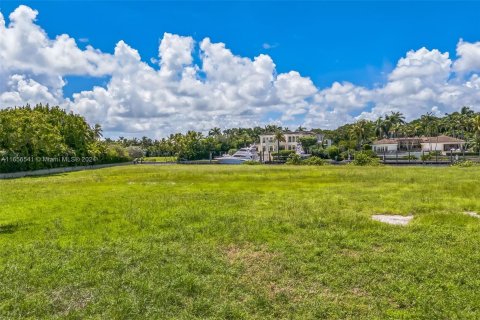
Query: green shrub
(314, 161)
(285, 153)
(410, 157)
(464, 163)
(319, 152)
(363, 158)
(334, 153)
(426, 157)
(294, 159)
(251, 163)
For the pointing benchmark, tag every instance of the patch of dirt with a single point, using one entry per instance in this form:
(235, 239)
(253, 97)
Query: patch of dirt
(71, 299)
(351, 254)
(359, 292)
(251, 257)
(393, 219)
(472, 214)
(263, 268)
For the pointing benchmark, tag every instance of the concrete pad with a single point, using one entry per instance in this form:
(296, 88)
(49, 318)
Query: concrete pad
(393, 219)
(472, 214)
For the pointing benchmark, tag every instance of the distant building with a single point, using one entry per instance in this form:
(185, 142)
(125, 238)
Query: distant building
(268, 144)
(444, 144)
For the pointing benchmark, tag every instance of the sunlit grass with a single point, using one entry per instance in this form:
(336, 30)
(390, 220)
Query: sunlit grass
(160, 159)
(240, 242)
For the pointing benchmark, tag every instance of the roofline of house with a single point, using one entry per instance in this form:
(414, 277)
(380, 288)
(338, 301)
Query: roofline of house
(419, 139)
(292, 132)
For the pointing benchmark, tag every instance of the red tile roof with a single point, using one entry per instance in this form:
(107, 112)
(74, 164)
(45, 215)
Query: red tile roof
(386, 141)
(439, 139)
(442, 139)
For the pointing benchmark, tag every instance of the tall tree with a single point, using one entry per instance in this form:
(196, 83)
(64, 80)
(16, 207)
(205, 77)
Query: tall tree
(215, 132)
(279, 137)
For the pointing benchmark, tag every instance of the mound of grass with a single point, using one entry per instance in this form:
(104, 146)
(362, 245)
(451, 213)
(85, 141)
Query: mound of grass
(264, 242)
(464, 164)
(160, 159)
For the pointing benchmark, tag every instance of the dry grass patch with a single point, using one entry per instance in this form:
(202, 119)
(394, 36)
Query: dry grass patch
(260, 267)
(68, 299)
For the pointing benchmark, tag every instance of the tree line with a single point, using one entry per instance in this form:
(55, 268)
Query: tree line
(463, 124)
(43, 136)
(346, 139)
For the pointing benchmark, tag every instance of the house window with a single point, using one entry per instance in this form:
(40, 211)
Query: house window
(289, 139)
(263, 140)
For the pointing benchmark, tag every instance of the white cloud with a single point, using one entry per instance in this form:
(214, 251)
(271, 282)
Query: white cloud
(422, 81)
(26, 48)
(232, 91)
(469, 57)
(223, 89)
(21, 90)
(268, 46)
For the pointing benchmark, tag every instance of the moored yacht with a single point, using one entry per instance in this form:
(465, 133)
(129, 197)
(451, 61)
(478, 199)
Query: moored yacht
(242, 155)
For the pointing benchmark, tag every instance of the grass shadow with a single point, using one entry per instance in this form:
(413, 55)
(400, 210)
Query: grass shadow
(9, 228)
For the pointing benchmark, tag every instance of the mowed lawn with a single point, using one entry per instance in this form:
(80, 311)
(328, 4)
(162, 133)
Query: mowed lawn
(232, 242)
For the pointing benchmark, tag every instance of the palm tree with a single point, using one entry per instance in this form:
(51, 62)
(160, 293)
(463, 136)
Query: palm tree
(245, 137)
(214, 132)
(467, 111)
(379, 126)
(279, 137)
(476, 129)
(272, 128)
(97, 131)
(359, 131)
(300, 128)
(396, 117)
(393, 122)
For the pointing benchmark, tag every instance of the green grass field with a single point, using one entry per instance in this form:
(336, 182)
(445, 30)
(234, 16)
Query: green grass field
(160, 159)
(228, 242)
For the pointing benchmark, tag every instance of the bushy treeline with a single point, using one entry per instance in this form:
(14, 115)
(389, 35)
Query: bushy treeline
(195, 145)
(463, 124)
(42, 137)
(42, 132)
(347, 139)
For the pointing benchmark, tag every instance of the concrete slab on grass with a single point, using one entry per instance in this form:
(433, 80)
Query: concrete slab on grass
(393, 219)
(472, 214)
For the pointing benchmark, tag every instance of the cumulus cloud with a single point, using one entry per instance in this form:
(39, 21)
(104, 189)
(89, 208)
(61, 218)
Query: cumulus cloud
(422, 81)
(25, 47)
(268, 46)
(223, 89)
(21, 90)
(469, 57)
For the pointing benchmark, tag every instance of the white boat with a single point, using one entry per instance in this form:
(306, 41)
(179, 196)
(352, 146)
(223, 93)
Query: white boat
(242, 155)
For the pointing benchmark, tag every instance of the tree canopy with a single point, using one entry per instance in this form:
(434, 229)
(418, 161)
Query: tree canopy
(44, 137)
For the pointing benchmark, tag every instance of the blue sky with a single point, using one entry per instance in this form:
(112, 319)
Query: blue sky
(358, 42)
(327, 41)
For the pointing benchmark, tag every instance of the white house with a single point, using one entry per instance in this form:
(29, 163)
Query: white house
(444, 144)
(268, 144)
(385, 145)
